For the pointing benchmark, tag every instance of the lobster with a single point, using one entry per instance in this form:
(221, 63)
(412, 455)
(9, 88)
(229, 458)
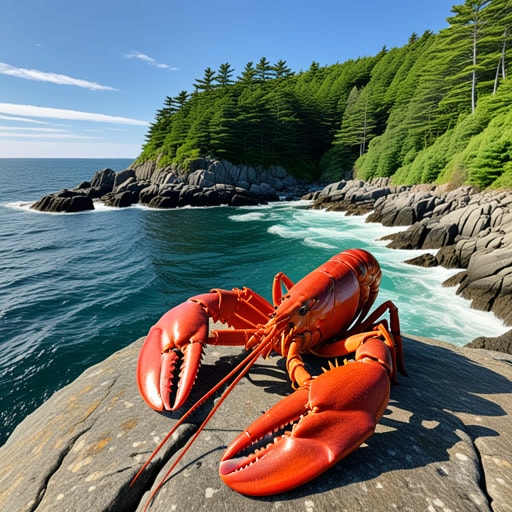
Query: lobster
(326, 313)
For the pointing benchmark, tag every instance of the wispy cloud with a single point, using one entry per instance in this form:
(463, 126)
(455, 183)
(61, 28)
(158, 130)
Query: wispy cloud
(59, 113)
(44, 135)
(148, 60)
(22, 119)
(31, 129)
(55, 78)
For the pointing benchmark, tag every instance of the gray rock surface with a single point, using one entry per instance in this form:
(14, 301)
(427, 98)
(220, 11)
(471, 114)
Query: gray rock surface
(443, 444)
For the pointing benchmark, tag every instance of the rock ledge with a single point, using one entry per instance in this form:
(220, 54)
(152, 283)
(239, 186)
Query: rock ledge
(444, 442)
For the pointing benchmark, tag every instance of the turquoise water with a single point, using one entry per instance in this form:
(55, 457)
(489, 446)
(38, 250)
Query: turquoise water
(74, 288)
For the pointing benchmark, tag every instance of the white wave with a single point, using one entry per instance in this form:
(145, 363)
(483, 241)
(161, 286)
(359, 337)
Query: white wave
(427, 307)
(312, 242)
(248, 217)
(18, 205)
(284, 231)
(22, 205)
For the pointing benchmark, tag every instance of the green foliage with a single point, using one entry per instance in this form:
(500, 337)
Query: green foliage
(435, 110)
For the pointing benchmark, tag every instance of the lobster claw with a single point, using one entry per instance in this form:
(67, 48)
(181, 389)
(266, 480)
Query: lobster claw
(183, 329)
(329, 417)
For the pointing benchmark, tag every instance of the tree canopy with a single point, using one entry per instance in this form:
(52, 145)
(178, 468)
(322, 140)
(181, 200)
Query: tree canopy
(438, 109)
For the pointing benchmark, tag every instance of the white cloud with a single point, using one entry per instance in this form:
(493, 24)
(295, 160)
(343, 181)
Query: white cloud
(23, 119)
(66, 149)
(55, 78)
(44, 135)
(148, 60)
(29, 129)
(59, 113)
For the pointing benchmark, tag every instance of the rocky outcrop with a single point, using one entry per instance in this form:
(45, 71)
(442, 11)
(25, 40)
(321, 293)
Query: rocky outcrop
(443, 443)
(209, 183)
(356, 197)
(65, 201)
(463, 228)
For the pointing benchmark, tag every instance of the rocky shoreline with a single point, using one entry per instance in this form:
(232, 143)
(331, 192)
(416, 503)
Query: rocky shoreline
(461, 228)
(209, 183)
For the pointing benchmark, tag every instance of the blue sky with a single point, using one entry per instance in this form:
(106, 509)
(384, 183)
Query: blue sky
(84, 78)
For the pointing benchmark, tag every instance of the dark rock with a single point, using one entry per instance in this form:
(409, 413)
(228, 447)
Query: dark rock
(424, 260)
(440, 235)
(148, 193)
(465, 248)
(501, 343)
(448, 257)
(119, 199)
(445, 433)
(244, 200)
(190, 195)
(97, 192)
(104, 179)
(121, 177)
(163, 202)
(66, 201)
(412, 238)
(404, 217)
(459, 279)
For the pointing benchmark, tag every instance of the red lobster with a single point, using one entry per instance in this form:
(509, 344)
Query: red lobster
(327, 314)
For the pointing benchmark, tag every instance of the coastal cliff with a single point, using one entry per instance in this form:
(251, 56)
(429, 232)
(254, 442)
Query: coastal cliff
(443, 443)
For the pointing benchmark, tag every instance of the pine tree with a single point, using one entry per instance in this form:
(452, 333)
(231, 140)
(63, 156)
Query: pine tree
(281, 70)
(224, 74)
(205, 83)
(248, 74)
(264, 70)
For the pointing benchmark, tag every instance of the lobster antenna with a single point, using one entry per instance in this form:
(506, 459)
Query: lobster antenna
(251, 359)
(239, 372)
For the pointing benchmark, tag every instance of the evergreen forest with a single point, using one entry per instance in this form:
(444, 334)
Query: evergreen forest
(437, 110)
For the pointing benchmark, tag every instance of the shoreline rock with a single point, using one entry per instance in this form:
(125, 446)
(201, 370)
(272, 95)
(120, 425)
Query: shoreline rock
(210, 183)
(443, 442)
(463, 228)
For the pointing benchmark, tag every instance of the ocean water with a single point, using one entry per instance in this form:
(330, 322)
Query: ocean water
(74, 288)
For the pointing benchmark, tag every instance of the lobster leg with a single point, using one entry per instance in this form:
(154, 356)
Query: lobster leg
(359, 333)
(327, 419)
(179, 337)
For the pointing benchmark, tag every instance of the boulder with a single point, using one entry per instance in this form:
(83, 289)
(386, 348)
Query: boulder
(443, 443)
(424, 260)
(118, 199)
(65, 201)
(121, 176)
(104, 179)
(148, 193)
(501, 343)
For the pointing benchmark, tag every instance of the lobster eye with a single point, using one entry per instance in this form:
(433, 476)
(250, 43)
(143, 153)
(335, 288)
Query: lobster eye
(303, 310)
